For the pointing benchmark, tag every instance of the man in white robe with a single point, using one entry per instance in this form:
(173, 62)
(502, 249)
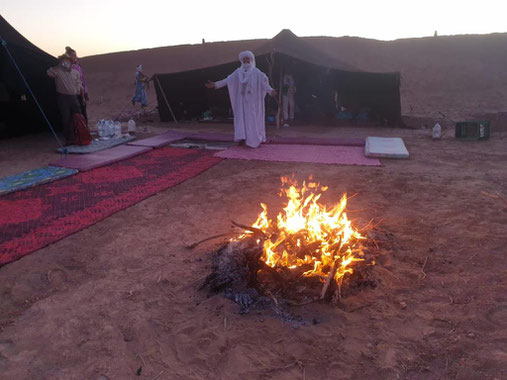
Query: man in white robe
(248, 87)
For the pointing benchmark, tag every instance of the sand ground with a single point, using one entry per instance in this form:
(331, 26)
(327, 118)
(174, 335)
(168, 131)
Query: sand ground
(122, 294)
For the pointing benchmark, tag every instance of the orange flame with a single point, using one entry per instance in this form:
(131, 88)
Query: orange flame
(306, 234)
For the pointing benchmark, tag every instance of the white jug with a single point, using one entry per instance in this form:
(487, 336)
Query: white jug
(437, 132)
(131, 126)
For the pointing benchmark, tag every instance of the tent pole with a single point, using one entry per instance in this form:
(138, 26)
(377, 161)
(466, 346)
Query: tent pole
(165, 99)
(279, 115)
(271, 66)
(270, 60)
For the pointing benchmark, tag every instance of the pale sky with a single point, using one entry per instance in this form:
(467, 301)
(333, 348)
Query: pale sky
(101, 26)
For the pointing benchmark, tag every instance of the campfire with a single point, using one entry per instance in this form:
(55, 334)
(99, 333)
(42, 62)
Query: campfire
(304, 253)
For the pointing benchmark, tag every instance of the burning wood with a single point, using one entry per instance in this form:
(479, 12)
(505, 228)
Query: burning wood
(307, 246)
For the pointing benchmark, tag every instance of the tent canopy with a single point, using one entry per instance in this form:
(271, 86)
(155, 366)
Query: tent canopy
(327, 89)
(288, 44)
(18, 112)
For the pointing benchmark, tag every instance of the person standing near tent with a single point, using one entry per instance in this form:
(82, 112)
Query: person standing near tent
(247, 87)
(68, 88)
(141, 82)
(83, 98)
(288, 92)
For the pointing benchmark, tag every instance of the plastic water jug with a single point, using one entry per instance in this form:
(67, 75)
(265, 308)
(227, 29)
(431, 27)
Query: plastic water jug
(131, 126)
(117, 129)
(109, 128)
(100, 131)
(102, 128)
(437, 132)
(481, 131)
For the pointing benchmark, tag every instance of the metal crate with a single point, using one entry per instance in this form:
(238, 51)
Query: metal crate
(472, 130)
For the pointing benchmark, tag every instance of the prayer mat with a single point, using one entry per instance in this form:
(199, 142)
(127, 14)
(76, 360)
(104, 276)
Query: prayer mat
(33, 177)
(202, 144)
(222, 137)
(96, 145)
(84, 162)
(160, 140)
(319, 154)
(176, 136)
(33, 218)
(317, 141)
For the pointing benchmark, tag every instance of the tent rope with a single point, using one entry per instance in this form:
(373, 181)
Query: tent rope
(4, 44)
(136, 112)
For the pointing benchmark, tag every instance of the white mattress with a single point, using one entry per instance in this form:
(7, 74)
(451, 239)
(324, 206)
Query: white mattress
(388, 147)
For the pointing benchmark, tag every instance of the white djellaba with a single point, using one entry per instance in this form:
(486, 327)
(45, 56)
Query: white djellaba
(248, 87)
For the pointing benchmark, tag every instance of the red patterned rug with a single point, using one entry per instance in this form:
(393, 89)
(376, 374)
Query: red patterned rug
(33, 218)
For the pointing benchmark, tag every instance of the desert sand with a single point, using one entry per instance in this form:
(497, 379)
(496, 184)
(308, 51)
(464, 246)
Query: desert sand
(123, 294)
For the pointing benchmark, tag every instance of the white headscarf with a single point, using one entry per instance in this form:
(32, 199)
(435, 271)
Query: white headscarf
(139, 69)
(246, 70)
(249, 54)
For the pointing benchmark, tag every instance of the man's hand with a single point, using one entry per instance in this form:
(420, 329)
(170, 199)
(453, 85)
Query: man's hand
(210, 84)
(51, 72)
(273, 93)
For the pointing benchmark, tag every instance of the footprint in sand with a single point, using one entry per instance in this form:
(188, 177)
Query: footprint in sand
(441, 323)
(6, 348)
(498, 315)
(481, 229)
(128, 331)
(58, 278)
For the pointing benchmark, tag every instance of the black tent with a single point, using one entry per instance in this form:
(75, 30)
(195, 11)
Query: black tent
(328, 90)
(19, 114)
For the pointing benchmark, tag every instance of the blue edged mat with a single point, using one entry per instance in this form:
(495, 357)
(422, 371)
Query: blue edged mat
(33, 177)
(97, 145)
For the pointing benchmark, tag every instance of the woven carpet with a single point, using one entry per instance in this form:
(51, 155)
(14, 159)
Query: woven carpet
(319, 154)
(33, 177)
(317, 141)
(35, 217)
(97, 145)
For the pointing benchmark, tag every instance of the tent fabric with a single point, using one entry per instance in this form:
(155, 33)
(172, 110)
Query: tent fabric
(18, 112)
(291, 45)
(184, 91)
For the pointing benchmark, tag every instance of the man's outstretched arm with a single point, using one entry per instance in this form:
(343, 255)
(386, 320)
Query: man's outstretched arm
(217, 85)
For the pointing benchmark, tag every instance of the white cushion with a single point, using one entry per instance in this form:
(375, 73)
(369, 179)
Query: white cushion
(388, 147)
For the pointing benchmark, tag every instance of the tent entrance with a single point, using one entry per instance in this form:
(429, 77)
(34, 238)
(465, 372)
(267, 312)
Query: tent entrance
(335, 97)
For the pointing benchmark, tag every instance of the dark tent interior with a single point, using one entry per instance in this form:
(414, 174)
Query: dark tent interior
(19, 114)
(328, 92)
